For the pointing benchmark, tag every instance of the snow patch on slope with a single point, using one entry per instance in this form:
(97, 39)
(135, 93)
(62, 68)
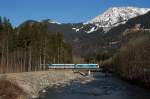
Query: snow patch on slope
(76, 29)
(92, 30)
(50, 21)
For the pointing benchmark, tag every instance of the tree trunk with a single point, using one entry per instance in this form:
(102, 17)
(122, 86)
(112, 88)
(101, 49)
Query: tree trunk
(29, 64)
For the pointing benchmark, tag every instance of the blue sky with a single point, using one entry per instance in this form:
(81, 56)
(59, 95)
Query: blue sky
(63, 11)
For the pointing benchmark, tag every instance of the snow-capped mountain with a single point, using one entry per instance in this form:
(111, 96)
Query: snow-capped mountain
(104, 22)
(116, 16)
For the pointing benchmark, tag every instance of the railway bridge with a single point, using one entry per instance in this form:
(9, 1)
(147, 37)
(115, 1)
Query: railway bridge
(80, 68)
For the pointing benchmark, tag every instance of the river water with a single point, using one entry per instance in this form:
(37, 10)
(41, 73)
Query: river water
(103, 87)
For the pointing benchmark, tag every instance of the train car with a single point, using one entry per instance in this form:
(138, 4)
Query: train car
(87, 66)
(61, 66)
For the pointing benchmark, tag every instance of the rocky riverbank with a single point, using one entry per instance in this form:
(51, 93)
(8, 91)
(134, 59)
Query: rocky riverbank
(34, 82)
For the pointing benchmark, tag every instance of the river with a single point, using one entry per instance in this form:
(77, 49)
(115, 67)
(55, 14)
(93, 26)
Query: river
(103, 87)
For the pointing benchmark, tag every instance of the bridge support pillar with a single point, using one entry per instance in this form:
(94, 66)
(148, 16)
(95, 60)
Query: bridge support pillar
(89, 72)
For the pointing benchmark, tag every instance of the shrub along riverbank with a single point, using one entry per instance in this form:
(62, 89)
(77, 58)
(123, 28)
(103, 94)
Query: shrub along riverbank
(132, 62)
(9, 90)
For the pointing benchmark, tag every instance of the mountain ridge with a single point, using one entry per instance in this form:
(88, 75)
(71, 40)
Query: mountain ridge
(85, 43)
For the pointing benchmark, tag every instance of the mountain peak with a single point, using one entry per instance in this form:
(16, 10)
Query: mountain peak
(117, 15)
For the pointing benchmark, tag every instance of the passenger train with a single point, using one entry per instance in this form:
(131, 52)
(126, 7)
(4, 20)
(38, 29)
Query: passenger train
(73, 66)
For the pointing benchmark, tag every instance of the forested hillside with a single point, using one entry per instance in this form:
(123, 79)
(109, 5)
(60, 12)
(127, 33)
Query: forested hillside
(30, 47)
